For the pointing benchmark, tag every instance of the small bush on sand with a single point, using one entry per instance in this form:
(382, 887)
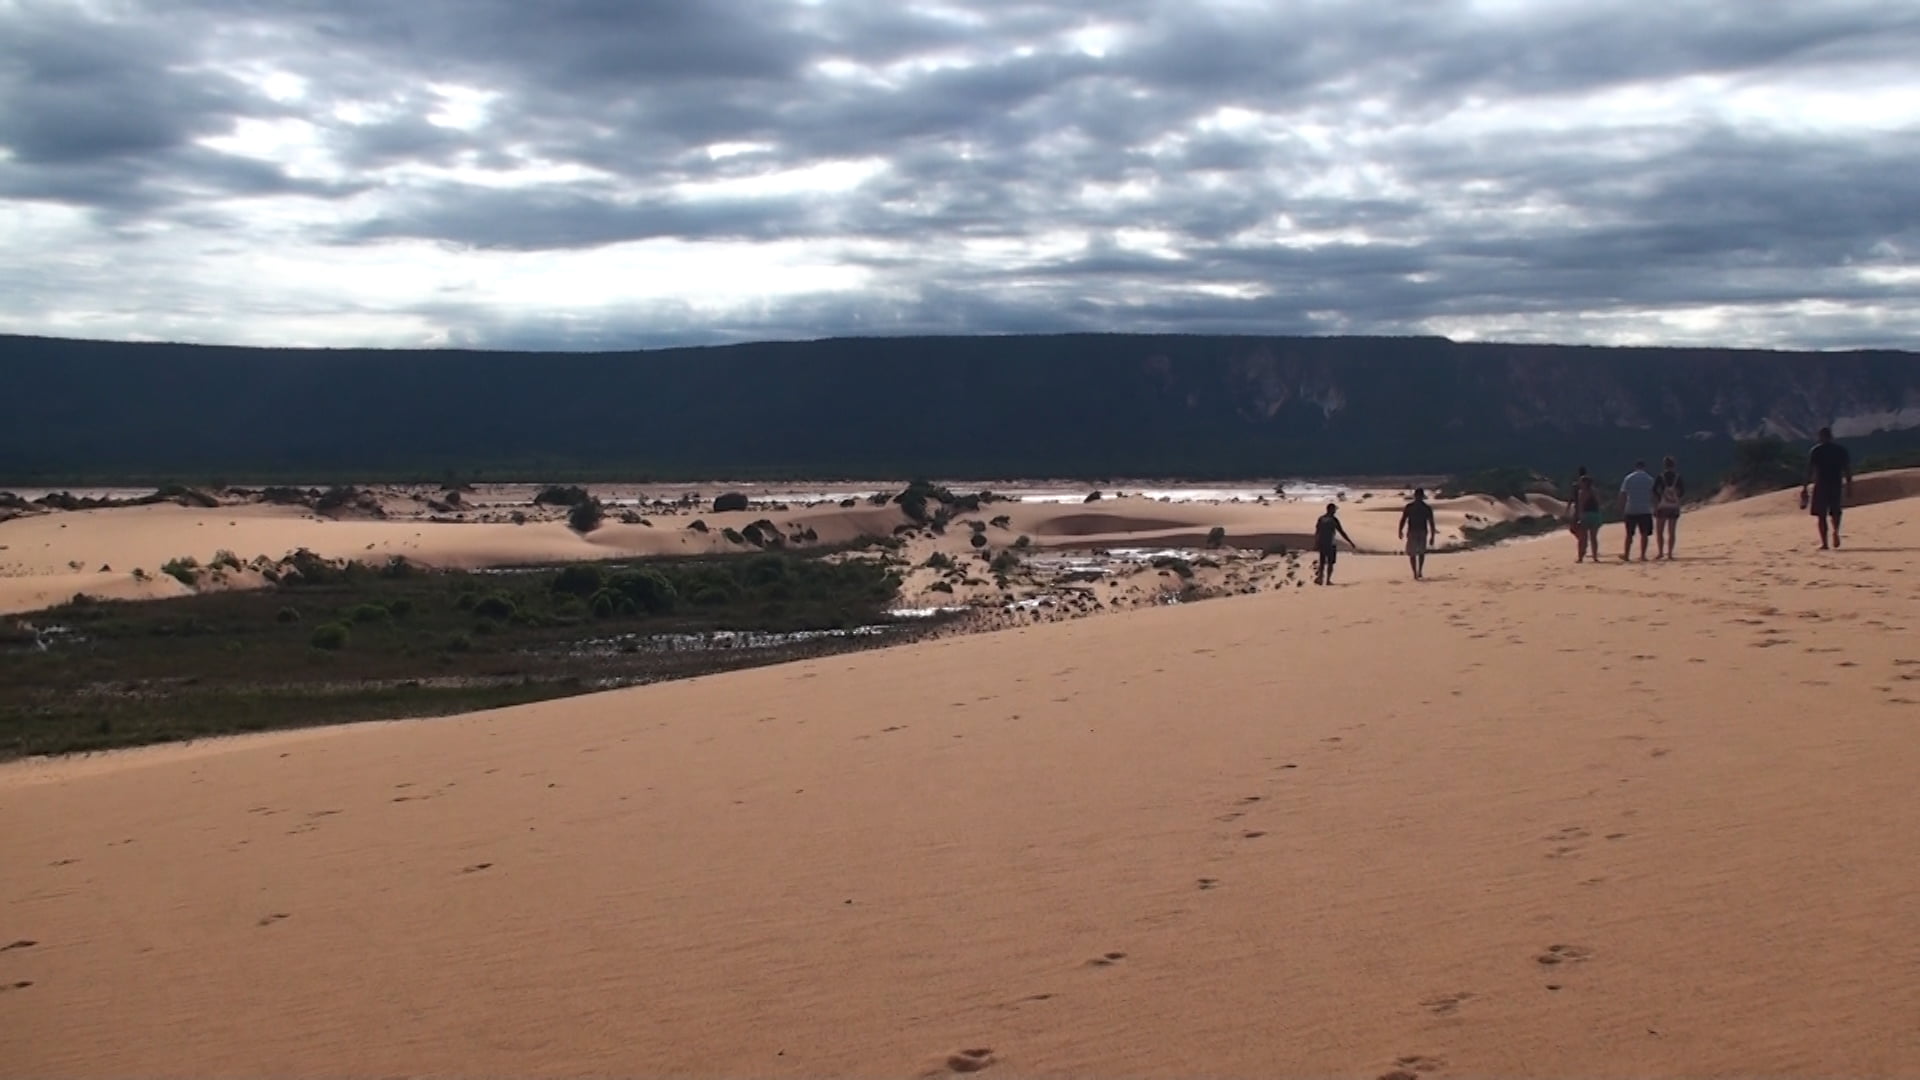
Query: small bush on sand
(1005, 563)
(185, 570)
(731, 501)
(698, 526)
(1764, 464)
(1093, 497)
(559, 495)
(1174, 563)
(586, 516)
(1217, 536)
(733, 536)
(940, 587)
(329, 636)
(979, 540)
(1023, 543)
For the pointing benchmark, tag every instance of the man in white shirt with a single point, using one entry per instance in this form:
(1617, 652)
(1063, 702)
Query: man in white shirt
(1636, 508)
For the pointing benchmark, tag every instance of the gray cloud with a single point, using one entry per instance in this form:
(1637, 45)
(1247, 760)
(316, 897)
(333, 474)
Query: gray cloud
(1575, 171)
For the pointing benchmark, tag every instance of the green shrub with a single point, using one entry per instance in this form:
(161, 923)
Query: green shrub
(288, 615)
(586, 516)
(698, 526)
(185, 570)
(579, 580)
(496, 606)
(400, 607)
(1505, 482)
(1023, 542)
(939, 560)
(1765, 464)
(369, 613)
(1217, 536)
(460, 643)
(733, 536)
(978, 540)
(1005, 563)
(329, 636)
(561, 495)
(649, 590)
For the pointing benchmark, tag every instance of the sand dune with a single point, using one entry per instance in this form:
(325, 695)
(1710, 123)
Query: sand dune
(1526, 818)
(47, 558)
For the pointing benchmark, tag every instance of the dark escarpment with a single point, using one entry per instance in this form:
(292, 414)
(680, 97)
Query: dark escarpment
(1073, 405)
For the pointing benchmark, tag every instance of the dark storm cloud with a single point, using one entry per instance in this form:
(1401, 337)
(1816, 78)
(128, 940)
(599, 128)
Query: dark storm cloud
(1307, 164)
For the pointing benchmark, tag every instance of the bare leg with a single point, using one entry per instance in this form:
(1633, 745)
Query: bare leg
(1836, 530)
(1822, 519)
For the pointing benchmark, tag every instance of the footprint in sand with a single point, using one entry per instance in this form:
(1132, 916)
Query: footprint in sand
(969, 1060)
(1563, 954)
(1107, 959)
(21, 985)
(1253, 834)
(1412, 1067)
(1446, 1004)
(1208, 884)
(270, 919)
(23, 943)
(477, 867)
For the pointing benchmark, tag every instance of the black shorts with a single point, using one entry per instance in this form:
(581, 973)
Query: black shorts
(1826, 501)
(1639, 523)
(1328, 555)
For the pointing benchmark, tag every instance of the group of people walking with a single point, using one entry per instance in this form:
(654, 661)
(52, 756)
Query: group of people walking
(1649, 505)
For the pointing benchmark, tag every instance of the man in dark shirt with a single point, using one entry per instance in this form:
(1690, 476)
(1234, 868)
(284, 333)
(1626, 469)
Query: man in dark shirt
(1417, 528)
(1326, 534)
(1830, 472)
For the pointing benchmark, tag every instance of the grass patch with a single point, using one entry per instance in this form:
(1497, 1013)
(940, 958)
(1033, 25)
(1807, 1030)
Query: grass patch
(1479, 536)
(332, 643)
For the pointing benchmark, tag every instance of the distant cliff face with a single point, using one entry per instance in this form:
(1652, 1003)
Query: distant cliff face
(1088, 405)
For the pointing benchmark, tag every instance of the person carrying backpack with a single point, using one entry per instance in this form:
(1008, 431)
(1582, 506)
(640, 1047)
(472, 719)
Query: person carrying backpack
(1668, 490)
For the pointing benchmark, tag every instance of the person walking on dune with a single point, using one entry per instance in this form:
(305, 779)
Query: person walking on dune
(1586, 516)
(1636, 506)
(1668, 490)
(1327, 532)
(1418, 529)
(1830, 472)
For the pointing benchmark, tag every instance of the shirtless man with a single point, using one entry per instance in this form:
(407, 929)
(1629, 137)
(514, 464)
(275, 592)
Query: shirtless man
(1418, 529)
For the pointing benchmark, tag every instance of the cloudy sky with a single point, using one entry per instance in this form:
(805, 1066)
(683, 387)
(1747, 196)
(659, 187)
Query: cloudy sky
(586, 174)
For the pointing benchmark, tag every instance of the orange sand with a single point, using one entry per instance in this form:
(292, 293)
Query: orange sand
(1526, 818)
